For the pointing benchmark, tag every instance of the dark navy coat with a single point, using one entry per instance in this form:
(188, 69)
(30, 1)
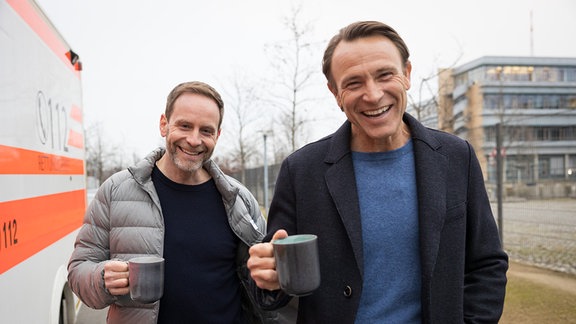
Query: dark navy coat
(463, 264)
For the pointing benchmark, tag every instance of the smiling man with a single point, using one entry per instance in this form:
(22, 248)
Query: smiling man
(404, 225)
(176, 203)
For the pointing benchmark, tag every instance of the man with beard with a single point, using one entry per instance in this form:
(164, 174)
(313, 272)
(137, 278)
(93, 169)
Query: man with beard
(177, 204)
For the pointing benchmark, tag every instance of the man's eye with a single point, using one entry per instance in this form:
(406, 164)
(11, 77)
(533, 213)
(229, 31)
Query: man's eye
(385, 75)
(352, 85)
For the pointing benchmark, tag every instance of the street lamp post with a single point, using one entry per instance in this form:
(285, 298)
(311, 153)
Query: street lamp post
(499, 180)
(500, 158)
(265, 177)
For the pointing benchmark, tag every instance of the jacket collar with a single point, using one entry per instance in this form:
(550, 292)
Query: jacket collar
(143, 169)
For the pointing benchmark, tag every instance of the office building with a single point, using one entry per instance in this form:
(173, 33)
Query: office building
(531, 102)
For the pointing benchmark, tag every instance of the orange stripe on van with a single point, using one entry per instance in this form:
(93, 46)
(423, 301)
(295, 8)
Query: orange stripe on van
(29, 225)
(76, 113)
(15, 160)
(43, 30)
(75, 139)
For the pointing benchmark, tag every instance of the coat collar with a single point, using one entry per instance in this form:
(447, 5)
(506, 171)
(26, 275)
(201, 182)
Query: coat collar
(142, 170)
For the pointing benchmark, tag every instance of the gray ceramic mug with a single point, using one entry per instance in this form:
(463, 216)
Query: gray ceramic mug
(146, 278)
(297, 264)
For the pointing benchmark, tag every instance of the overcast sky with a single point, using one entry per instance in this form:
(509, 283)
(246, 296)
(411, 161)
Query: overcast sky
(135, 51)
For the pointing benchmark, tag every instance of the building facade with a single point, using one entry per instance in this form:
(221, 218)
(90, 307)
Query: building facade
(531, 102)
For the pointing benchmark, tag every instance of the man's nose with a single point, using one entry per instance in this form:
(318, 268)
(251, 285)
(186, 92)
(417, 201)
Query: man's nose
(372, 92)
(193, 138)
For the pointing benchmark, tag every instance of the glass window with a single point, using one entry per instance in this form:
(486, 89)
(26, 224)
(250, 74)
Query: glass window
(551, 101)
(523, 102)
(570, 74)
(491, 101)
(570, 101)
(554, 134)
(557, 166)
(542, 74)
(551, 166)
(568, 133)
(519, 168)
(571, 167)
(493, 73)
(490, 134)
(461, 79)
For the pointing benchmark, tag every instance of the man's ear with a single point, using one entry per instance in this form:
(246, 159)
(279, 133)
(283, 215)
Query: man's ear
(407, 71)
(334, 91)
(163, 125)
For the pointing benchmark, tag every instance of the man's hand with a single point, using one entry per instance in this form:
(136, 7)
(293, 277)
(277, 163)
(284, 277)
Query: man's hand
(116, 277)
(262, 264)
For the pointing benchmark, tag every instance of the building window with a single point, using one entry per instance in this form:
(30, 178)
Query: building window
(529, 101)
(568, 133)
(551, 166)
(519, 168)
(570, 102)
(490, 134)
(571, 74)
(493, 73)
(571, 167)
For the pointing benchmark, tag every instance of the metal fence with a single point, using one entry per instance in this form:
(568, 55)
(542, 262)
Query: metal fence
(541, 232)
(253, 179)
(536, 231)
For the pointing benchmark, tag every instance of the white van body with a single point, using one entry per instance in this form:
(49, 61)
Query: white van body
(42, 167)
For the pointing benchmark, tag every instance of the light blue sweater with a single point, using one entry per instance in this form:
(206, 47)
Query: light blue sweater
(389, 210)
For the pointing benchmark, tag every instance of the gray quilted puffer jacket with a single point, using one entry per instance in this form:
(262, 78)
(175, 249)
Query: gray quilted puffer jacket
(125, 220)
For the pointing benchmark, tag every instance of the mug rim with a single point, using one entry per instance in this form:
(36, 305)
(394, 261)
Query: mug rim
(146, 259)
(295, 239)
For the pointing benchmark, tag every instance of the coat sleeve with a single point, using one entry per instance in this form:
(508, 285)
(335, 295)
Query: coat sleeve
(91, 249)
(281, 216)
(486, 262)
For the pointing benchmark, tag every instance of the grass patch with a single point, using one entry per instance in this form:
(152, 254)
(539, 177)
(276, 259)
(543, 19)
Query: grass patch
(528, 302)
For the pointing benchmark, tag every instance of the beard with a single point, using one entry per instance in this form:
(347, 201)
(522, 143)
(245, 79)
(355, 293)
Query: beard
(185, 164)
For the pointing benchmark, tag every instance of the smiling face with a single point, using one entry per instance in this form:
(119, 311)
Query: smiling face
(370, 83)
(191, 135)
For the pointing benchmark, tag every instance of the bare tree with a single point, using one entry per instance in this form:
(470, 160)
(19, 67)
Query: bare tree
(244, 114)
(102, 158)
(423, 108)
(292, 61)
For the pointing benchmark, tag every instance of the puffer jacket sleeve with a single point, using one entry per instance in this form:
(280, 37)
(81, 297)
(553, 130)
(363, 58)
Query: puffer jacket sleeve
(91, 250)
(258, 221)
(242, 208)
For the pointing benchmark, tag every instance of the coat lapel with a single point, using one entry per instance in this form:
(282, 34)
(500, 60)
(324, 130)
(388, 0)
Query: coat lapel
(341, 184)
(431, 170)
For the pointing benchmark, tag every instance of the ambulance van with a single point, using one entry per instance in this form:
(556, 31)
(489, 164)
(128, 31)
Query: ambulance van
(42, 167)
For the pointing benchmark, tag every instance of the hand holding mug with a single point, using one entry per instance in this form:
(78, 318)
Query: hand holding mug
(262, 264)
(116, 277)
